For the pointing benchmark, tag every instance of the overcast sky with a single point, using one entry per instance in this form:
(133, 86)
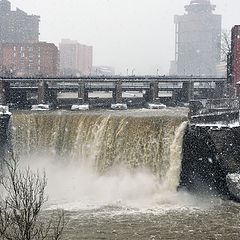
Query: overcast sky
(133, 34)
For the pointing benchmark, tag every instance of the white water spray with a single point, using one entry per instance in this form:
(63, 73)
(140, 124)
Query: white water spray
(97, 160)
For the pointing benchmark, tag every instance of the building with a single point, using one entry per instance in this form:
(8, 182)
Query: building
(198, 40)
(29, 59)
(235, 56)
(75, 58)
(103, 71)
(17, 26)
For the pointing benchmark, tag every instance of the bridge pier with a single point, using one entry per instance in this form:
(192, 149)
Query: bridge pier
(152, 93)
(4, 92)
(82, 93)
(53, 97)
(117, 93)
(176, 96)
(187, 93)
(19, 98)
(43, 92)
(219, 90)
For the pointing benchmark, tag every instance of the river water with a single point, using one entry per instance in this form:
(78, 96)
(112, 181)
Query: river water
(116, 175)
(219, 221)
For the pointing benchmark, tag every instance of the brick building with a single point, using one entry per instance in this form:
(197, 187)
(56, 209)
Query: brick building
(235, 56)
(30, 59)
(75, 58)
(17, 26)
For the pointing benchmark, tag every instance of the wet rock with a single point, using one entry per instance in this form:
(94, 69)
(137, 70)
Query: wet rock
(233, 183)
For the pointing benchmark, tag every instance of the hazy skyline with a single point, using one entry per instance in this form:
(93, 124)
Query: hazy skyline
(133, 34)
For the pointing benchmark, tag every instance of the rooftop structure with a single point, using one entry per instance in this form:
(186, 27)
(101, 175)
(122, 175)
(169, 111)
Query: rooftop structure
(198, 6)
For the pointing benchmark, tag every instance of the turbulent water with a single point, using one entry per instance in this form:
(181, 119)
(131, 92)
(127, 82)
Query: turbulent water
(116, 174)
(104, 141)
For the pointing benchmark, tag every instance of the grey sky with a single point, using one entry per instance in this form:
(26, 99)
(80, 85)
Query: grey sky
(133, 34)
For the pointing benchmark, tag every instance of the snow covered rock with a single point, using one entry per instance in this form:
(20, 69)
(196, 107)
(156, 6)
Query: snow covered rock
(83, 107)
(156, 106)
(233, 183)
(40, 107)
(119, 106)
(4, 110)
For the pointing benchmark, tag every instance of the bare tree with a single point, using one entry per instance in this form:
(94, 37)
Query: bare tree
(226, 45)
(21, 201)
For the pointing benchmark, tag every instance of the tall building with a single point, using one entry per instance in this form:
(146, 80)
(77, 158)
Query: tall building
(198, 40)
(17, 26)
(75, 58)
(29, 59)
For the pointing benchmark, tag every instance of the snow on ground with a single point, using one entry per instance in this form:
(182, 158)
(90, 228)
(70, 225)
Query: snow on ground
(4, 110)
(219, 125)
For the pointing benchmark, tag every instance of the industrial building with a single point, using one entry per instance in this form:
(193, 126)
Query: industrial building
(198, 40)
(75, 58)
(29, 59)
(17, 26)
(103, 71)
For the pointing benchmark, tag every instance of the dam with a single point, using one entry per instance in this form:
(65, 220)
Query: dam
(131, 173)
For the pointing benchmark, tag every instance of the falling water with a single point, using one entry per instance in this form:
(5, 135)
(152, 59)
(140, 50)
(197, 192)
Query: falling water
(103, 141)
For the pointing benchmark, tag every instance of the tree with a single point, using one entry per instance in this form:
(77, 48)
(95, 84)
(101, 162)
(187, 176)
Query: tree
(225, 45)
(226, 58)
(21, 201)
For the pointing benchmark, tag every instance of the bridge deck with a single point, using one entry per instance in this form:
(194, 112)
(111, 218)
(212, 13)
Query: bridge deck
(114, 79)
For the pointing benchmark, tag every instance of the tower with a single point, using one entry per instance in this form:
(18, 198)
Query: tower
(198, 39)
(5, 6)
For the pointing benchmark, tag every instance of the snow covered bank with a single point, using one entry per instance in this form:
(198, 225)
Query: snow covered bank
(41, 107)
(119, 106)
(4, 110)
(83, 107)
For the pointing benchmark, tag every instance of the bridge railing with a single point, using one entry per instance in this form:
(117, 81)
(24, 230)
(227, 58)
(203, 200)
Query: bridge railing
(206, 106)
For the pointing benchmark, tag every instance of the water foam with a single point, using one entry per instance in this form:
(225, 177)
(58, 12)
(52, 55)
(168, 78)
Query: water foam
(93, 161)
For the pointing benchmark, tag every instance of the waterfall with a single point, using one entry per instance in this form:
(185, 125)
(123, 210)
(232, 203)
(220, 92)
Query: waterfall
(104, 140)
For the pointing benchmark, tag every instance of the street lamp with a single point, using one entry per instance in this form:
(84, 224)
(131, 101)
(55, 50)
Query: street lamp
(133, 71)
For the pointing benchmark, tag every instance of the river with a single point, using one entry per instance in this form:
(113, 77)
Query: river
(116, 175)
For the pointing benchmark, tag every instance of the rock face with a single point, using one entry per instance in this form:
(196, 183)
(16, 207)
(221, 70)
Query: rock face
(4, 121)
(233, 183)
(209, 156)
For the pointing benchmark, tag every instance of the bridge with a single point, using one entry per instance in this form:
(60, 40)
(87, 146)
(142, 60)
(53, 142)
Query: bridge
(45, 90)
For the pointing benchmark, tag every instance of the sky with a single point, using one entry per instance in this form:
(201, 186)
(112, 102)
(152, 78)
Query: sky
(137, 35)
